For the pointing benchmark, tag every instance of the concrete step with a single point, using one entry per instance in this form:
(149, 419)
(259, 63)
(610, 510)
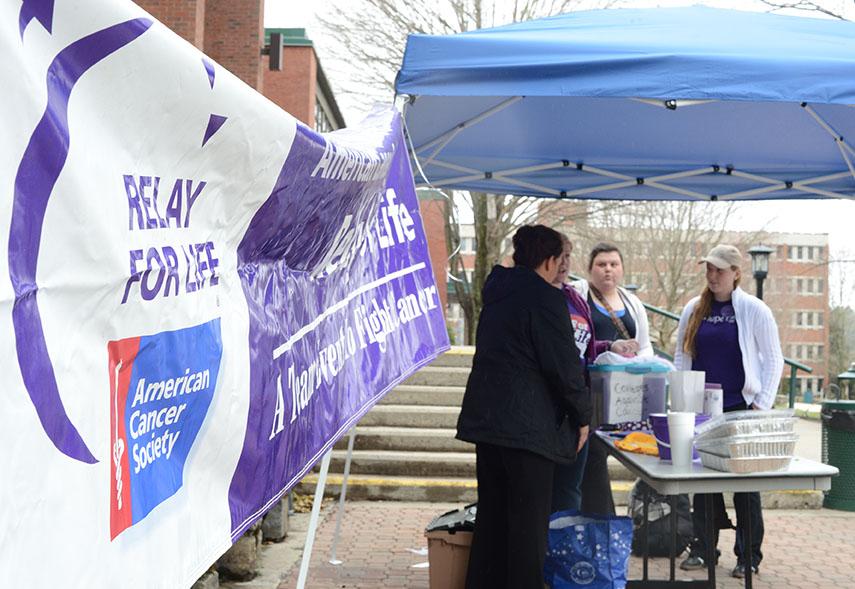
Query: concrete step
(395, 488)
(449, 376)
(457, 356)
(617, 471)
(424, 416)
(465, 490)
(424, 395)
(407, 439)
(407, 463)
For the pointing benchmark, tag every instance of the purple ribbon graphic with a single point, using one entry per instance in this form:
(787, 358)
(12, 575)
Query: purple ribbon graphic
(38, 172)
(41, 10)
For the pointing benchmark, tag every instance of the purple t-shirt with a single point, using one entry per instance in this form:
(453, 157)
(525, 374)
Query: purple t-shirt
(581, 328)
(718, 354)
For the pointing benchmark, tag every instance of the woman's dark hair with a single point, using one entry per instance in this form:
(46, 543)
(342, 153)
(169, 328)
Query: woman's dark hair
(533, 244)
(603, 248)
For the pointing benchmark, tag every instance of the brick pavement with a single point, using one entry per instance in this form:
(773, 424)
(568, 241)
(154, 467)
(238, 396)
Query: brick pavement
(803, 549)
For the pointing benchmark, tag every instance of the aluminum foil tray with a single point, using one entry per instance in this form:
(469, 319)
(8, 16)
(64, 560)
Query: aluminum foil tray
(750, 446)
(744, 465)
(743, 423)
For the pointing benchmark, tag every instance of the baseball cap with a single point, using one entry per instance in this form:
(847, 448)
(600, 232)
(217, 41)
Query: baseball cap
(723, 256)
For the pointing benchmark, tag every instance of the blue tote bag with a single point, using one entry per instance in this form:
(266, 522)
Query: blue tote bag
(587, 551)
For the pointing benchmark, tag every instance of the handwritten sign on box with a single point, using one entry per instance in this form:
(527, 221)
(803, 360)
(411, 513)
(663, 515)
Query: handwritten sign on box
(623, 394)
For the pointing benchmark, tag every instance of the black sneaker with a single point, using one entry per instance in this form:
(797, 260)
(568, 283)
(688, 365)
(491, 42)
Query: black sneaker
(693, 563)
(738, 571)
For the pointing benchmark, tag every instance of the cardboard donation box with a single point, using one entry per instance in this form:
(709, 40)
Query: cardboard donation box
(449, 537)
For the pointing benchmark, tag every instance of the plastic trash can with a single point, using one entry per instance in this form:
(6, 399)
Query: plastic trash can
(449, 537)
(838, 449)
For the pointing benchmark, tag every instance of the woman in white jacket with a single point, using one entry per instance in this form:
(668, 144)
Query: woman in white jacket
(732, 336)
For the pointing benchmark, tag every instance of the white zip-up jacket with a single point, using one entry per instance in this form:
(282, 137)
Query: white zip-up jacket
(636, 310)
(759, 343)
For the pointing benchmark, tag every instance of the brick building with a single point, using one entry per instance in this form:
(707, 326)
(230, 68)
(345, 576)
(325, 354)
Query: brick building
(797, 291)
(232, 33)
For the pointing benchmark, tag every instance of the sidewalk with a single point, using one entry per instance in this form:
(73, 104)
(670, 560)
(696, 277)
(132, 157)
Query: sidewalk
(381, 545)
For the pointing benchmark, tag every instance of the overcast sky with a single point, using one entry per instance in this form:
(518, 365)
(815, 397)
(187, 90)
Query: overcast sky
(837, 218)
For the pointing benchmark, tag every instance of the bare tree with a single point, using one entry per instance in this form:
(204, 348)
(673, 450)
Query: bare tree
(817, 7)
(368, 37)
(496, 218)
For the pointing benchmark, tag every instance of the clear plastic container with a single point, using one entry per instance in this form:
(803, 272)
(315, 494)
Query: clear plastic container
(741, 423)
(750, 446)
(744, 465)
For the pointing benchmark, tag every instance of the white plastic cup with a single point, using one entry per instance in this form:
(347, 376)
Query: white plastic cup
(713, 400)
(681, 431)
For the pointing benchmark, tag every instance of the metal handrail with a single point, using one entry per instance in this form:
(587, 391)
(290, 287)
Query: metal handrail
(794, 365)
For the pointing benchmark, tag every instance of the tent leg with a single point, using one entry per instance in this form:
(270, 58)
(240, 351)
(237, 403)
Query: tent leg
(350, 440)
(313, 520)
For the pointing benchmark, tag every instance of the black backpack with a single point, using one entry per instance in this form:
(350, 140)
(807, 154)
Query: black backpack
(658, 524)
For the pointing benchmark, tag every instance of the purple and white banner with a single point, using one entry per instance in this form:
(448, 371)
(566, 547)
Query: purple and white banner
(203, 295)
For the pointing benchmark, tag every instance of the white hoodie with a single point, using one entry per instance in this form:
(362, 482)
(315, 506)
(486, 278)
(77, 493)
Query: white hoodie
(759, 343)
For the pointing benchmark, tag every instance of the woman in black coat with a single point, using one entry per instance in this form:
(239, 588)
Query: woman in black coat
(526, 408)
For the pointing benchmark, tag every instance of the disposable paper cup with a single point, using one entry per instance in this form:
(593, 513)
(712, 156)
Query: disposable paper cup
(659, 424)
(681, 432)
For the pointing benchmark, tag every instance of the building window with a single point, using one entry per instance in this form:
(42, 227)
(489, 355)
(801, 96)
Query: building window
(820, 350)
(323, 124)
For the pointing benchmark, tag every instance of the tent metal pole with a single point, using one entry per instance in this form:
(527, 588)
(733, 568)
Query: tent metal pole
(527, 169)
(439, 183)
(845, 156)
(604, 187)
(313, 520)
(671, 104)
(515, 182)
(828, 193)
(675, 190)
(455, 167)
(338, 516)
(838, 138)
(753, 192)
(468, 123)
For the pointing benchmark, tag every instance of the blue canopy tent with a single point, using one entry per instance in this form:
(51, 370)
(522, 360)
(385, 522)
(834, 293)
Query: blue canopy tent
(652, 104)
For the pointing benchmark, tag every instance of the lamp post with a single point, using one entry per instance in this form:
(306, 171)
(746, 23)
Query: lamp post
(760, 265)
(847, 378)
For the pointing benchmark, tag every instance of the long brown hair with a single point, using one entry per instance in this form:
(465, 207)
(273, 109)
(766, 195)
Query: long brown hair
(700, 312)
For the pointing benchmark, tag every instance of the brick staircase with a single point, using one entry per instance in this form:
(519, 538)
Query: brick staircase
(405, 448)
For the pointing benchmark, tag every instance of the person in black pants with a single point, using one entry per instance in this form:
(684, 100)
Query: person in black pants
(526, 408)
(731, 336)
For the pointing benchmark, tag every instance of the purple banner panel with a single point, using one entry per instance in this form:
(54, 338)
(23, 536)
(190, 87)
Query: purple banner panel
(342, 302)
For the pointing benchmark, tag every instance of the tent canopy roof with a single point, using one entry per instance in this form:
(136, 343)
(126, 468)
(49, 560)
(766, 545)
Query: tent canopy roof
(687, 103)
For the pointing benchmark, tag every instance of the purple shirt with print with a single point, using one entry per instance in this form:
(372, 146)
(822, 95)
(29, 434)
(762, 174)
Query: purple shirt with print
(718, 354)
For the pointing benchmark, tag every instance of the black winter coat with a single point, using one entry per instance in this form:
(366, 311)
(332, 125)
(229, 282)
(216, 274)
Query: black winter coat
(527, 386)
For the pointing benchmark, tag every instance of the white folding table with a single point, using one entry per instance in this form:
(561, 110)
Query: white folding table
(669, 480)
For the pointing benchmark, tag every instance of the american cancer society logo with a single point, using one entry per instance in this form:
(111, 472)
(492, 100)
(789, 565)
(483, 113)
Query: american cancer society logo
(161, 386)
